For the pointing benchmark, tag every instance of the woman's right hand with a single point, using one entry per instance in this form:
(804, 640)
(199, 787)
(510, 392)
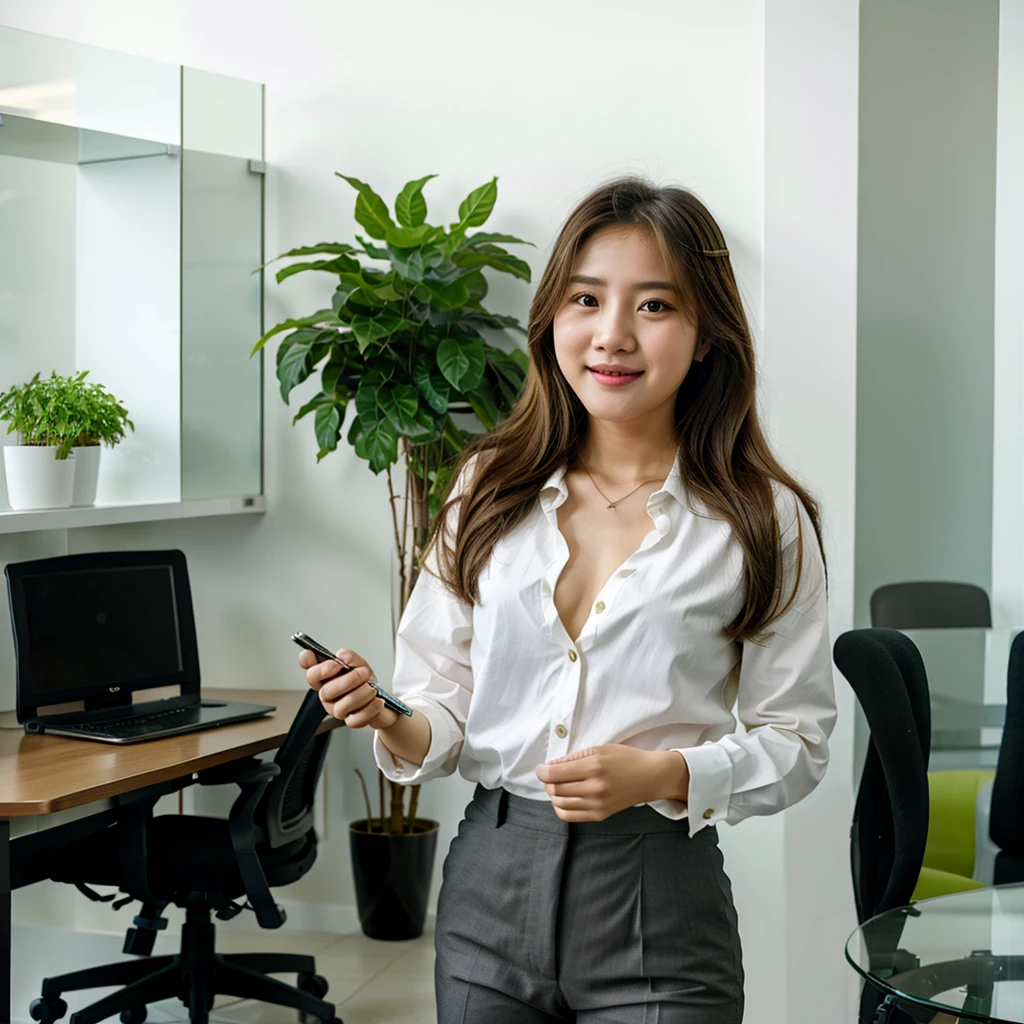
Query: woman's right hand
(348, 697)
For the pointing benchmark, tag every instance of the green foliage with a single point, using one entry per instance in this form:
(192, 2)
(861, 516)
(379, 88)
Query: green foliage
(65, 412)
(406, 341)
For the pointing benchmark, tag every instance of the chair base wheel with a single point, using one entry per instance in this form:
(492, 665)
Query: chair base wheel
(136, 1015)
(315, 984)
(47, 1008)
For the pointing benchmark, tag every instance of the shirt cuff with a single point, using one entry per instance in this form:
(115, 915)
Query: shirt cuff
(442, 754)
(710, 785)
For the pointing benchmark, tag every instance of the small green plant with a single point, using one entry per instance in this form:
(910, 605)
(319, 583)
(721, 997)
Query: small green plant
(64, 412)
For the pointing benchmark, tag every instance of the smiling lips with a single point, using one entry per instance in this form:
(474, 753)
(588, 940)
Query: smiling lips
(613, 377)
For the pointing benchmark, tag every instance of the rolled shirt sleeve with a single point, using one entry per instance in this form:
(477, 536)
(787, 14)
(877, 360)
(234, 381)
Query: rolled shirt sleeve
(433, 673)
(784, 698)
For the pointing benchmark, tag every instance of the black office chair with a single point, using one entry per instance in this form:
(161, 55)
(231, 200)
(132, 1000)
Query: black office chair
(204, 865)
(1006, 821)
(930, 605)
(890, 818)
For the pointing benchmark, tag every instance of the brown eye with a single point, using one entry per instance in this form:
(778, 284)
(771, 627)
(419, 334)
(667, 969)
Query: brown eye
(586, 295)
(663, 306)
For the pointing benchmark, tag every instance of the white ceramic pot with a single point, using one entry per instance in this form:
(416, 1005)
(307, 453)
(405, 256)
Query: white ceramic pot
(36, 478)
(87, 471)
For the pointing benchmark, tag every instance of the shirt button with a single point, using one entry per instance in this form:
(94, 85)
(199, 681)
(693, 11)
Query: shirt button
(599, 607)
(709, 814)
(572, 654)
(561, 732)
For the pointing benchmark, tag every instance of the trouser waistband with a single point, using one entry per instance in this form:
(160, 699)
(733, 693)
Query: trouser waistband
(540, 816)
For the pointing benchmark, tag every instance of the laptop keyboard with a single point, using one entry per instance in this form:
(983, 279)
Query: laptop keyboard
(137, 725)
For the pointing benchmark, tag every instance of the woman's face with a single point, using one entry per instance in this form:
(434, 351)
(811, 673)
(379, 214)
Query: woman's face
(620, 312)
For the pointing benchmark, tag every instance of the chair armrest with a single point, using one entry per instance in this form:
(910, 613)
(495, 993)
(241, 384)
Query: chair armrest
(252, 779)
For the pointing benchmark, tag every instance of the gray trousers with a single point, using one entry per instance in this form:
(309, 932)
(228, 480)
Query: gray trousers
(623, 921)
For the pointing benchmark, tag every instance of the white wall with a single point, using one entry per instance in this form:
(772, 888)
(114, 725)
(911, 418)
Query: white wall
(553, 99)
(1008, 407)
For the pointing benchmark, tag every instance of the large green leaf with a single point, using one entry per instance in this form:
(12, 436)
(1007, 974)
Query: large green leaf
(495, 257)
(478, 205)
(374, 251)
(369, 329)
(294, 363)
(481, 398)
(339, 265)
(327, 427)
(315, 402)
(399, 402)
(410, 206)
(321, 316)
(442, 296)
(427, 427)
(520, 358)
(481, 318)
(462, 361)
(376, 441)
(409, 238)
(407, 262)
(482, 236)
(433, 386)
(320, 249)
(371, 210)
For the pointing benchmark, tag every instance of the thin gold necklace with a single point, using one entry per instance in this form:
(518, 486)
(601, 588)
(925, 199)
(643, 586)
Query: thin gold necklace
(612, 504)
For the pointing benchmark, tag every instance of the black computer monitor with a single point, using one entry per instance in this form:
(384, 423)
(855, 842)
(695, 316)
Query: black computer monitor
(98, 627)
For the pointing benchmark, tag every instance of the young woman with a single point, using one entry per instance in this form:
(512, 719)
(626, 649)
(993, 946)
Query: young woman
(621, 564)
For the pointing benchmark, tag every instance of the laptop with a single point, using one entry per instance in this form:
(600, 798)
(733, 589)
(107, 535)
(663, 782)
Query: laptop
(95, 633)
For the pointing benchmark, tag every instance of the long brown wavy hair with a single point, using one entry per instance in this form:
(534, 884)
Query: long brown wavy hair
(725, 461)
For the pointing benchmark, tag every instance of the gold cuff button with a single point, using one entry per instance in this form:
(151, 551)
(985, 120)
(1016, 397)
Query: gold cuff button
(572, 654)
(709, 814)
(599, 607)
(561, 732)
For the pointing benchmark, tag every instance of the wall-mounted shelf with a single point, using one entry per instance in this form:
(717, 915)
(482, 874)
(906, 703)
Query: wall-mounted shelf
(110, 515)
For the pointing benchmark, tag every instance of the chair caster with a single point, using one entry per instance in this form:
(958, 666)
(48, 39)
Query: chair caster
(136, 1015)
(315, 984)
(47, 1008)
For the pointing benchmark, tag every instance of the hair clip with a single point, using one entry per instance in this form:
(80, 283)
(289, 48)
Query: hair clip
(714, 252)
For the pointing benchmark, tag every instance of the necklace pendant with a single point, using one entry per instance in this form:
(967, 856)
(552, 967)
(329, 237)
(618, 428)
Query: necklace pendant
(613, 504)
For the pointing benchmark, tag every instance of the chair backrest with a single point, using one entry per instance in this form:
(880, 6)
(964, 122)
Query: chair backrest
(930, 605)
(286, 812)
(1006, 824)
(890, 820)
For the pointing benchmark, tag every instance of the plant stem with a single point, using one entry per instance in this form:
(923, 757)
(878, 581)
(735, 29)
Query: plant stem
(397, 793)
(366, 797)
(398, 540)
(413, 802)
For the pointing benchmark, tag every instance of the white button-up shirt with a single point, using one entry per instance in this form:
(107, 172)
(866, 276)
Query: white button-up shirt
(505, 688)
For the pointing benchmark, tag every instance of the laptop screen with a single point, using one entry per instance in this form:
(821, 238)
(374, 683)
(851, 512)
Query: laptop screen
(97, 627)
(104, 627)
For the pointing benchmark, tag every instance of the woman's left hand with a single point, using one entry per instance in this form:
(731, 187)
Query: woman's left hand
(592, 784)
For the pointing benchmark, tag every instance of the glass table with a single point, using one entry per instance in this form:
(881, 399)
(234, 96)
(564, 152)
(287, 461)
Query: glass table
(960, 955)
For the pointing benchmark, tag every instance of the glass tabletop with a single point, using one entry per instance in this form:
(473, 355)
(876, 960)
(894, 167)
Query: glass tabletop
(962, 954)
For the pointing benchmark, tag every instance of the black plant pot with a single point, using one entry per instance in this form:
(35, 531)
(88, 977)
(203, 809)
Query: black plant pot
(392, 877)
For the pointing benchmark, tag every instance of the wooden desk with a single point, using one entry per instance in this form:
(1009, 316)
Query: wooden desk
(44, 774)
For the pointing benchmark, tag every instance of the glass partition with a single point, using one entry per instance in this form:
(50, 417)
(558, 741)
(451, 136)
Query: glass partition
(221, 298)
(131, 221)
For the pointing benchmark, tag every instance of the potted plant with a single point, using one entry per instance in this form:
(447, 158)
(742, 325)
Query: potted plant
(60, 421)
(404, 338)
(100, 419)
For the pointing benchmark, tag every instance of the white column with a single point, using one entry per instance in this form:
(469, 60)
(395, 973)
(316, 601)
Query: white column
(809, 368)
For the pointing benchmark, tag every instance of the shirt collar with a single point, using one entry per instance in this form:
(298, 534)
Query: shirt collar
(554, 490)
